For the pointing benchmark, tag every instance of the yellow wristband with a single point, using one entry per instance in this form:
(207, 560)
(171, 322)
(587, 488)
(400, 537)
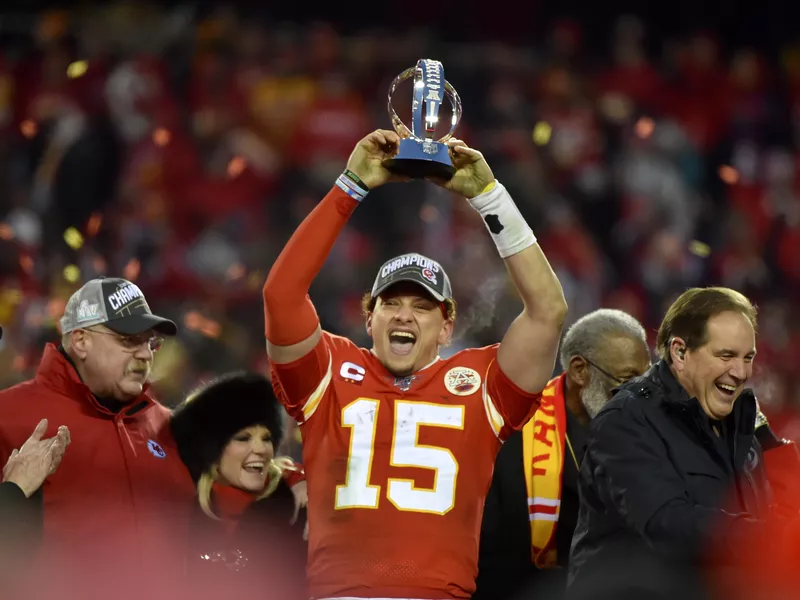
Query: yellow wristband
(489, 187)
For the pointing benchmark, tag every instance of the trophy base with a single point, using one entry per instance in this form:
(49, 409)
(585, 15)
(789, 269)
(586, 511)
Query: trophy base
(419, 159)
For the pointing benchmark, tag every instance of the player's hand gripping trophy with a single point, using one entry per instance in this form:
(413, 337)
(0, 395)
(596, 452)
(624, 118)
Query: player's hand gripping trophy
(406, 154)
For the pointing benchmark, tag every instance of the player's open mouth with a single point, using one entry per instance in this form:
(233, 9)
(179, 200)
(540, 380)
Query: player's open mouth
(402, 342)
(727, 390)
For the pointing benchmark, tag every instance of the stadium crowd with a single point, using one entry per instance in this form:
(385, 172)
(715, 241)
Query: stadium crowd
(174, 152)
(181, 153)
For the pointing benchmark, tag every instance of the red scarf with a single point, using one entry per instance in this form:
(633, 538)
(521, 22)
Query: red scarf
(543, 454)
(229, 504)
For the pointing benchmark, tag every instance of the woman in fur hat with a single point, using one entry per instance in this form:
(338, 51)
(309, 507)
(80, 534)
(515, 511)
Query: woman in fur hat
(247, 534)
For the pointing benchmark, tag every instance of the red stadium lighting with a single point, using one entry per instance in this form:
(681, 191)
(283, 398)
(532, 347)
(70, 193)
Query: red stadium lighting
(162, 137)
(645, 127)
(236, 166)
(132, 269)
(29, 128)
(729, 175)
(93, 226)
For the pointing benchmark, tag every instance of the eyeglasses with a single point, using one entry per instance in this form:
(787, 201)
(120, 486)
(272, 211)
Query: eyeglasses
(131, 343)
(619, 380)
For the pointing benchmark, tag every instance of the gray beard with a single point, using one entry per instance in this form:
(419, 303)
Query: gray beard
(595, 396)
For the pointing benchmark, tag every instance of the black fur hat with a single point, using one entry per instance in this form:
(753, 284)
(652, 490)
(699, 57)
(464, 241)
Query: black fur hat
(209, 417)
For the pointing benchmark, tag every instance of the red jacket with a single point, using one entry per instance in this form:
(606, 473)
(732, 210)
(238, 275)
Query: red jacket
(783, 472)
(116, 513)
(769, 570)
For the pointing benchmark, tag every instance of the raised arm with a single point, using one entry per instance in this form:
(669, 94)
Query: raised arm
(300, 358)
(528, 351)
(292, 325)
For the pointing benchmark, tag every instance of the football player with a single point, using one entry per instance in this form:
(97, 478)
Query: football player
(399, 444)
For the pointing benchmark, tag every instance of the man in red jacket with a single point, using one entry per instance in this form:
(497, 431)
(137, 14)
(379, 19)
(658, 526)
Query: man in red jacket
(114, 516)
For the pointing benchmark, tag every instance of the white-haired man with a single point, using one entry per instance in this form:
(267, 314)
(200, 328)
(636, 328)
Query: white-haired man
(532, 507)
(114, 517)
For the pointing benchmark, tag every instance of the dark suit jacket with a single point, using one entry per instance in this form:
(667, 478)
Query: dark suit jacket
(505, 570)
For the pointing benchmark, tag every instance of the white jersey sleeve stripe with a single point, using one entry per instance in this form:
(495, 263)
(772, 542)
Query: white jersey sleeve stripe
(313, 401)
(495, 418)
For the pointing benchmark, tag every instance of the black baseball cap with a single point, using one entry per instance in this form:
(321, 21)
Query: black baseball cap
(417, 269)
(116, 303)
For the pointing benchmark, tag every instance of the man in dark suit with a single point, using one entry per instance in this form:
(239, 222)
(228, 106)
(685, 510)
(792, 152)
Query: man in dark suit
(673, 482)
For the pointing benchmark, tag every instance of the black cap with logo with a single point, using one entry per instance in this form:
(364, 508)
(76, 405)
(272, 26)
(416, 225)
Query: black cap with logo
(116, 303)
(417, 269)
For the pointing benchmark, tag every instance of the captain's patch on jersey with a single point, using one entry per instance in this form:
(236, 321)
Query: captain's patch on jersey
(462, 381)
(352, 373)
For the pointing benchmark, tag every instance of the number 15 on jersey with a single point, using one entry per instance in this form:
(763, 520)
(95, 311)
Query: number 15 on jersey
(361, 417)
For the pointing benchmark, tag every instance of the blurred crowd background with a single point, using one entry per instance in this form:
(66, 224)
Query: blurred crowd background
(179, 146)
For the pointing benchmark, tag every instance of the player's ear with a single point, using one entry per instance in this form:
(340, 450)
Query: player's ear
(446, 333)
(369, 324)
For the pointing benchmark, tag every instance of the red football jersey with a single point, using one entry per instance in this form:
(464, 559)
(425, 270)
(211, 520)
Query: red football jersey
(397, 468)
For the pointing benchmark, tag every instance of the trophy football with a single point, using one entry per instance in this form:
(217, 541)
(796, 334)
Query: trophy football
(420, 155)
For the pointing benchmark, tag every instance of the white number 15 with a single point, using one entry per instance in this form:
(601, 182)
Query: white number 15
(361, 416)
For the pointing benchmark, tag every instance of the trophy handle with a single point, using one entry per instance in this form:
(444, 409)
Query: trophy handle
(401, 128)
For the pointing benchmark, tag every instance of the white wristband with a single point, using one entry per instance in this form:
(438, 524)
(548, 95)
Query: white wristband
(510, 232)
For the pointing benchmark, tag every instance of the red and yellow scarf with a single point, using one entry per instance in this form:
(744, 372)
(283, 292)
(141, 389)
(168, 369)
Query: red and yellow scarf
(543, 455)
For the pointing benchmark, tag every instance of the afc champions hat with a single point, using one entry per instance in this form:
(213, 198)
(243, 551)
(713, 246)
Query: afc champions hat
(417, 269)
(116, 303)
